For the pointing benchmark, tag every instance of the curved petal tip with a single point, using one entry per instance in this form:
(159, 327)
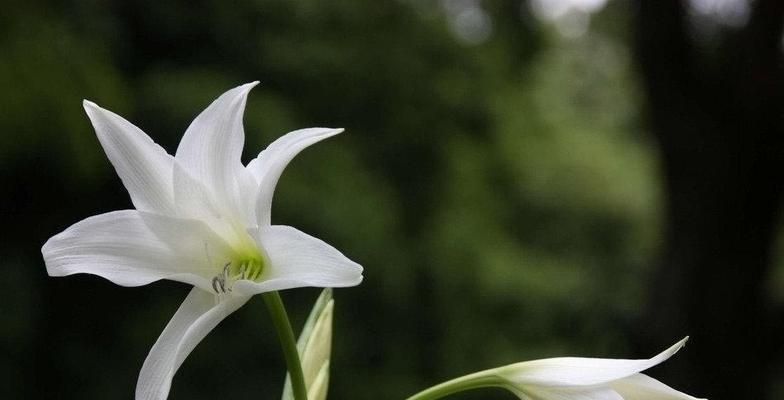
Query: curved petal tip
(249, 85)
(681, 344)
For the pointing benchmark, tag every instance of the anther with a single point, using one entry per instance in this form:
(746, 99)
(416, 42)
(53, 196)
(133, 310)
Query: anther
(218, 285)
(219, 281)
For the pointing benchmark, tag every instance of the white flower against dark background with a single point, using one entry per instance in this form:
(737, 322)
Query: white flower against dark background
(202, 218)
(580, 378)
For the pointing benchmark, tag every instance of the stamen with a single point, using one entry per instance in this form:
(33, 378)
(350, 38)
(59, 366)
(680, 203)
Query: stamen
(234, 271)
(219, 281)
(219, 284)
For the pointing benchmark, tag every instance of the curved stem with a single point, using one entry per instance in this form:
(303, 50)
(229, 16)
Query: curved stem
(463, 383)
(287, 342)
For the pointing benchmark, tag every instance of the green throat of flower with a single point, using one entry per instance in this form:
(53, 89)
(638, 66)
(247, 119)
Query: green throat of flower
(243, 268)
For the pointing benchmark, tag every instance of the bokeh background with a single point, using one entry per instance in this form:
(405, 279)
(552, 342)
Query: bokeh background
(520, 179)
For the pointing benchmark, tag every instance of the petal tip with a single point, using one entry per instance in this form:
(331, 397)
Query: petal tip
(94, 110)
(236, 95)
(248, 86)
(88, 105)
(669, 352)
(358, 278)
(325, 133)
(682, 342)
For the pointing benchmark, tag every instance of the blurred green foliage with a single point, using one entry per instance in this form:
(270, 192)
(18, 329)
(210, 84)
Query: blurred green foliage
(501, 195)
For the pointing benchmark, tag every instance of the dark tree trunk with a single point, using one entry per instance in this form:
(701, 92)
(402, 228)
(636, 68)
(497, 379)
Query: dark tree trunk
(717, 116)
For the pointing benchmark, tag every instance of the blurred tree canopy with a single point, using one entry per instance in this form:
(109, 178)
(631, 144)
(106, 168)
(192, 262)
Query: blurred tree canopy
(496, 181)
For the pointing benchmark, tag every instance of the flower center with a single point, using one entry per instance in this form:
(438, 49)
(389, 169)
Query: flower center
(243, 268)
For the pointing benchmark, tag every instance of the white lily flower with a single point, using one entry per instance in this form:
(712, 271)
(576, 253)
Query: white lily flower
(201, 218)
(314, 347)
(588, 379)
(569, 378)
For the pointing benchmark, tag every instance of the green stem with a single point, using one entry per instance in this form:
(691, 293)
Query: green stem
(286, 335)
(463, 383)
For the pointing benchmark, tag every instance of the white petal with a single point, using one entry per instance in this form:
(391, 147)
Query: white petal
(144, 167)
(132, 248)
(568, 393)
(192, 198)
(298, 260)
(194, 201)
(643, 387)
(248, 189)
(571, 371)
(211, 148)
(196, 317)
(271, 162)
